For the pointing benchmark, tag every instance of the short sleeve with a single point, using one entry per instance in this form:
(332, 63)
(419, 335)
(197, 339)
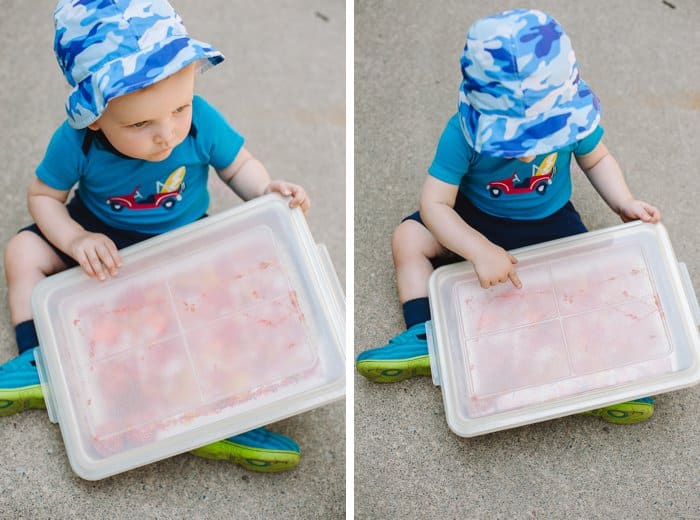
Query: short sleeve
(220, 140)
(588, 143)
(453, 154)
(64, 159)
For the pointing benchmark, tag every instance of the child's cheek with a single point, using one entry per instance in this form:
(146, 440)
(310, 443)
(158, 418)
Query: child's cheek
(183, 128)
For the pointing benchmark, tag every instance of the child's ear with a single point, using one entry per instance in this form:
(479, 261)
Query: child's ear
(94, 126)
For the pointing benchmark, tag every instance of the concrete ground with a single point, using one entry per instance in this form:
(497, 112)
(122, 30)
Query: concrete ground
(283, 87)
(640, 59)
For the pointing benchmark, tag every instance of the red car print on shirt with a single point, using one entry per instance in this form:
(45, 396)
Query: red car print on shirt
(167, 194)
(137, 201)
(516, 185)
(538, 181)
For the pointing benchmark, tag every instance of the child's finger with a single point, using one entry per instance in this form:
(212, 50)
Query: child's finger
(654, 214)
(90, 264)
(645, 213)
(96, 265)
(285, 190)
(515, 279)
(278, 187)
(298, 197)
(115, 255)
(87, 268)
(107, 260)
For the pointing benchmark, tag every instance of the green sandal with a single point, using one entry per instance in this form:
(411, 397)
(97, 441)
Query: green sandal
(257, 450)
(20, 389)
(405, 356)
(629, 412)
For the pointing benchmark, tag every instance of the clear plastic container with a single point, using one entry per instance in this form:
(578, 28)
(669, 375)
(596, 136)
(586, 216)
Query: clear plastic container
(233, 322)
(602, 317)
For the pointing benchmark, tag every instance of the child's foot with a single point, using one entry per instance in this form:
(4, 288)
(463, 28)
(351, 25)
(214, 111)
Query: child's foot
(629, 412)
(405, 356)
(256, 450)
(19, 385)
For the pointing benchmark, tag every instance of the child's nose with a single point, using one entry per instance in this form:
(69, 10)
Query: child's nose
(164, 132)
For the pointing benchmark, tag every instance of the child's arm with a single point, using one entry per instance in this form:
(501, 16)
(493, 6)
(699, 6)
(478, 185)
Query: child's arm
(248, 178)
(605, 175)
(492, 263)
(96, 253)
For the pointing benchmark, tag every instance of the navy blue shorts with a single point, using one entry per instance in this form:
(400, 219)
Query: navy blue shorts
(83, 216)
(511, 234)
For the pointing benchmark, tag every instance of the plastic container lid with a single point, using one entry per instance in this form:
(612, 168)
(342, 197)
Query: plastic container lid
(602, 317)
(208, 331)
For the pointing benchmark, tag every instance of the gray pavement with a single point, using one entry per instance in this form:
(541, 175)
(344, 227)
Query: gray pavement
(640, 58)
(283, 87)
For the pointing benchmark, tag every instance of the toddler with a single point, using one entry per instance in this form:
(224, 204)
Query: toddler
(500, 178)
(135, 131)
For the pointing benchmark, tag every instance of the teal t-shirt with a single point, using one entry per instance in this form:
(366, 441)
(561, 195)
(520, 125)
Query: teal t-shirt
(137, 195)
(508, 188)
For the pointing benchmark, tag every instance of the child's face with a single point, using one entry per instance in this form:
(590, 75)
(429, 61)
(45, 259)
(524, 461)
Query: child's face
(149, 123)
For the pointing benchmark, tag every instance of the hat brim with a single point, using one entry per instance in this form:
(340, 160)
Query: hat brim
(505, 136)
(127, 74)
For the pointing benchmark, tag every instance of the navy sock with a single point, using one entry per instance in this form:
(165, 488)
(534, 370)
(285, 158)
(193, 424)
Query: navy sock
(416, 311)
(25, 333)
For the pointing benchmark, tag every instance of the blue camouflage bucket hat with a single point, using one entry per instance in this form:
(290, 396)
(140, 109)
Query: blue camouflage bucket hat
(521, 94)
(108, 48)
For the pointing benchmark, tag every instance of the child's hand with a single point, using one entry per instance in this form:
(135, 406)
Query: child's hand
(639, 210)
(96, 254)
(495, 265)
(288, 189)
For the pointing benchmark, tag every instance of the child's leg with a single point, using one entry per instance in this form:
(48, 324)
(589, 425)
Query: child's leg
(406, 355)
(28, 259)
(413, 248)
